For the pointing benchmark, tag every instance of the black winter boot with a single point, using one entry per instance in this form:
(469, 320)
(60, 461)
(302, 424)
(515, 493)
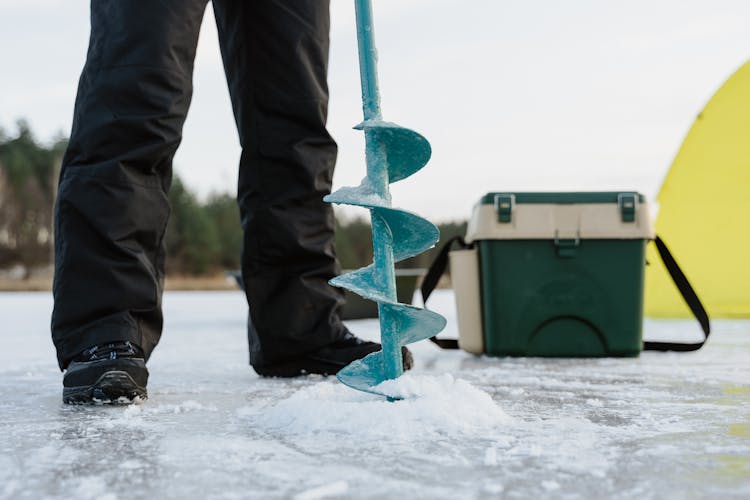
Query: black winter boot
(107, 373)
(329, 359)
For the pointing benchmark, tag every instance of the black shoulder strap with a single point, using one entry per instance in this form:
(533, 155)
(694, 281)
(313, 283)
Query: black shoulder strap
(691, 298)
(430, 281)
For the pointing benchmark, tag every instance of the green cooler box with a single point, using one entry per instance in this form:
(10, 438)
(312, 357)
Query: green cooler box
(553, 274)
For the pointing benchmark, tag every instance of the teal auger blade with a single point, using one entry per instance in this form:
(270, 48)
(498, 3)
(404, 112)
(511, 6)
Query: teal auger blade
(393, 153)
(414, 324)
(407, 150)
(411, 233)
(364, 374)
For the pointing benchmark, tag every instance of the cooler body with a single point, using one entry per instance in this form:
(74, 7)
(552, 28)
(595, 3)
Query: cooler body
(561, 274)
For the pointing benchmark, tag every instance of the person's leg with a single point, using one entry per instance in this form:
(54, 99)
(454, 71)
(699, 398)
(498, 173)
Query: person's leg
(112, 206)
(276, 59)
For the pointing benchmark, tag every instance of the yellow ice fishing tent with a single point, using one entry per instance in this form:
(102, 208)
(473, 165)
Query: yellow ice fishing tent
(704, 210)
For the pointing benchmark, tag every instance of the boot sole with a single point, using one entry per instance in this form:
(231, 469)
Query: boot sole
(113, 387)
(293, 369)
(317, 366)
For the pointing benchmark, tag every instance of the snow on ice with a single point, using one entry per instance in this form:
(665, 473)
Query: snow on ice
(434, 406)
(658, 426)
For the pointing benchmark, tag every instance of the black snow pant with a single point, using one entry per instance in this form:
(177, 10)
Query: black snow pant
(112, 206)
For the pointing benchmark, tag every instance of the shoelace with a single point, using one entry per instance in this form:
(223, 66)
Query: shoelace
(110, 351)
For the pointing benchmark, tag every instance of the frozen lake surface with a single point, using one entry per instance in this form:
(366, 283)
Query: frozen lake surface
(660, 426)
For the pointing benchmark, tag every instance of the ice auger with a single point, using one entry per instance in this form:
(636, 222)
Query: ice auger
(392, 153)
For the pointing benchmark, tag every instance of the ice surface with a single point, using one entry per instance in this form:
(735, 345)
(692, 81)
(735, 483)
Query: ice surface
(659, 426)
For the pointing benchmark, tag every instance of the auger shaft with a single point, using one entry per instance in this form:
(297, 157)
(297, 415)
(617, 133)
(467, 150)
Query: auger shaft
(382, 243)
(375, 151)
(368, 57)
(377, 172)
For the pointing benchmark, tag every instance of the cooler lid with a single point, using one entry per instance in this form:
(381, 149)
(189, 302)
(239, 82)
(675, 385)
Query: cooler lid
(572, 215)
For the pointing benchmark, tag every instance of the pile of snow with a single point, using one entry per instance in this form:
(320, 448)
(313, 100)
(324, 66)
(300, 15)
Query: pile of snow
(337, 488)
(431, 406)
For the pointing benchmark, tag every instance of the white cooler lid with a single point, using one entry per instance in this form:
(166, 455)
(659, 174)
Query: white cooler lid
(594, 215)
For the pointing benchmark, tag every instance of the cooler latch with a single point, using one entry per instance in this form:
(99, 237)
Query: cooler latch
(567, 244)
(504, 204)
(626, 202)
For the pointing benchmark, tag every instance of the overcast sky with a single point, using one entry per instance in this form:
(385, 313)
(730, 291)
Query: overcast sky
(513, 95)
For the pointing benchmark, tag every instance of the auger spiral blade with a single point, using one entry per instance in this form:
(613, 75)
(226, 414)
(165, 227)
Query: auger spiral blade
(393, 153)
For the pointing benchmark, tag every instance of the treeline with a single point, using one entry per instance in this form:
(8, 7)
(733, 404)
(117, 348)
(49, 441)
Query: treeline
(28, 181)
(206, 237)
(203, 236)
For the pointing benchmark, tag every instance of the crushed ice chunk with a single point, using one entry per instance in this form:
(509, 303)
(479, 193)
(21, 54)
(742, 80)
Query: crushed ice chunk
(337, 488)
